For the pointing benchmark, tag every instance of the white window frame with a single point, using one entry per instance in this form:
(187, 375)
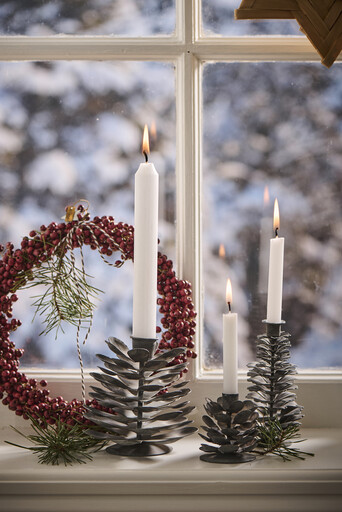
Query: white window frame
(188, 48)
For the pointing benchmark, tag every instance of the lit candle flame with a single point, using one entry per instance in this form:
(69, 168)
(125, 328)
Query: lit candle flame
(229, 293)
(145, 143)
(266, 196)
(222, 251)
(276, 218)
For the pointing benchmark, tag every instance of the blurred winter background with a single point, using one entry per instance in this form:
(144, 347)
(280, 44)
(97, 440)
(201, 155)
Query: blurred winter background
(73, 129)
(88, 17)
(279, 126)
(218, 20)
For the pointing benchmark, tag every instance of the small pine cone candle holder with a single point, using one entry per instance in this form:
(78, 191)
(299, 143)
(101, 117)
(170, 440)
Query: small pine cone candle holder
(143, 391)
(272, 378)
(231, 426)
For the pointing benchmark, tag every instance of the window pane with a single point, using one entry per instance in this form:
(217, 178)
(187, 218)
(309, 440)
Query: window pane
(276, 125)
(218, 19)
(71, 130)
(100, 17)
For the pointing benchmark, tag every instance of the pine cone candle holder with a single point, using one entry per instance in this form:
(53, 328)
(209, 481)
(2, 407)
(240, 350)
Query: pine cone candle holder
(231, 425)
(143, 391)
(272, 378)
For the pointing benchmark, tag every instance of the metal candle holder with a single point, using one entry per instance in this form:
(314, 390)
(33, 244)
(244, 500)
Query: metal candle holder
(272, 378)
(143, 391)
(231, 425)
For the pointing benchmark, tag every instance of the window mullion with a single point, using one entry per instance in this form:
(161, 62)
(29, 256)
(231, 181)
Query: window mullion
(256, 48)
(20, 48)
(188, 101)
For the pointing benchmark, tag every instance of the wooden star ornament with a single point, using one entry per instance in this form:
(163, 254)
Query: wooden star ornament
(320, 20)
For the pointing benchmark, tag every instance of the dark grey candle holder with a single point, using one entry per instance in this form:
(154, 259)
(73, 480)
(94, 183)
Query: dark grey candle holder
(144, 393)
(231, 425)
(272, 378)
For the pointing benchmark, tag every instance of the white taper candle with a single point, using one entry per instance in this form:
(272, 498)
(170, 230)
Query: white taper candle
(275, 273)
(230, 350)
(145, 247)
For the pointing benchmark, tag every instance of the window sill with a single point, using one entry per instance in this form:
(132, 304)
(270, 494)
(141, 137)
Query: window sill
(318, 392)
(178, 481)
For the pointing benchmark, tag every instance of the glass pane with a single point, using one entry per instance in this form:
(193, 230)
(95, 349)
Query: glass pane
(71, 130)
(100, 17)
(275, 125)
(218, 19)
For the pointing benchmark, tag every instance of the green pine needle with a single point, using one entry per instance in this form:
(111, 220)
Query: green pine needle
(60, 443)
(278, 441)
(67, 296)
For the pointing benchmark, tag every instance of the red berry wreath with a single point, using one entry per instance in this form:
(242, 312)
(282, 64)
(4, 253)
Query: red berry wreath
(27, 397)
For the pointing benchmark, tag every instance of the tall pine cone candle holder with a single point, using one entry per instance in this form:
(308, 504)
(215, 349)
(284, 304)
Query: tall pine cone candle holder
(143, 391)
(231, 426)
(272, 378)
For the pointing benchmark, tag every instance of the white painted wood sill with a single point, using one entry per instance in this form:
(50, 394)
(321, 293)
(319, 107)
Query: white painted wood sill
(178, 481)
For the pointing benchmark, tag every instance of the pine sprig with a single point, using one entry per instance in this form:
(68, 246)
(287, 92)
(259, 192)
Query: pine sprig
(275, 439)
(68, 296)
(60, 443)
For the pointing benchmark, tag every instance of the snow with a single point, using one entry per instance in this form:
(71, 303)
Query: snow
(54, 171)
(9, 140)
(112, 128)
(44, 81)
(109, 170)
(124, 17)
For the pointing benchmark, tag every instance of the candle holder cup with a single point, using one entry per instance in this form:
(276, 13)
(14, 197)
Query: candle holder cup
(143, 391)
(272, 378)
(231, 426)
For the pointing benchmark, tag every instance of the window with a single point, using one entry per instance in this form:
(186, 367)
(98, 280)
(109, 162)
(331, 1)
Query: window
(70, 130)
(209, 65)
(273, 129)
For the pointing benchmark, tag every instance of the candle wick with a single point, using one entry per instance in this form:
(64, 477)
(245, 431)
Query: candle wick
(146, 156)
(229, 307)
(276, 232)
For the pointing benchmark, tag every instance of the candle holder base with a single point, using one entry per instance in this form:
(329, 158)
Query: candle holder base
(231, 425)
(225, 458)
(143, 392)
(272, 378)
(144, 449)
